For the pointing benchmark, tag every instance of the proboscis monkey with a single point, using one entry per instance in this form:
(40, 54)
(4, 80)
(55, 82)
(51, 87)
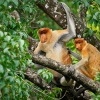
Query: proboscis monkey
(89, 65)
(53, 43)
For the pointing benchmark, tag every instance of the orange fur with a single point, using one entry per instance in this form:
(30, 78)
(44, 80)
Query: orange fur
(89, 52)
(66, 58)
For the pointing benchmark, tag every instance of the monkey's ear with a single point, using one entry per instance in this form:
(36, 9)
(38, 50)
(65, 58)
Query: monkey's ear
(43, 30)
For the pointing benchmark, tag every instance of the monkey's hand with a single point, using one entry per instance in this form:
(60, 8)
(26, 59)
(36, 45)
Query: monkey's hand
(38, 49)
(35, 51)
(81, 63)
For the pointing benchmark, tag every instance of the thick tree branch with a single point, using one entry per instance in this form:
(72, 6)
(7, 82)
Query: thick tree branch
(32, 43)
(65, 70)
(55, 10)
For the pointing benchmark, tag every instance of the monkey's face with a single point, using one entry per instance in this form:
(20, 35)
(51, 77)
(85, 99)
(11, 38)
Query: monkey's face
(79, 43)
(78, 46)
(44, 34)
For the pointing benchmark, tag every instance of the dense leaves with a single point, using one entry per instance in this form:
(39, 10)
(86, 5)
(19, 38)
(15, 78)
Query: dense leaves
(14, 55)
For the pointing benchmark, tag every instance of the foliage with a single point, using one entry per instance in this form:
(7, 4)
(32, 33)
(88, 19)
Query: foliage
(13, 61)
(97, 95)
(14, 55)
(39, 94)
(46, 75)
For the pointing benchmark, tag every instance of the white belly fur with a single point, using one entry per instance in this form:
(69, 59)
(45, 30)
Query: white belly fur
(55, 53)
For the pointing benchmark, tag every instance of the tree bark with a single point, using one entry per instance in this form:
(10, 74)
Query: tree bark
(36, 79)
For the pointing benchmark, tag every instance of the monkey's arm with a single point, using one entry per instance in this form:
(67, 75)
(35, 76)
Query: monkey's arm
(81, 63)
(38, 49)
(84, 60)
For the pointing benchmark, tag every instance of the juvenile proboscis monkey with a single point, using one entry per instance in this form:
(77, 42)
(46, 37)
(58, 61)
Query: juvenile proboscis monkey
(89, 65)
(53, 43)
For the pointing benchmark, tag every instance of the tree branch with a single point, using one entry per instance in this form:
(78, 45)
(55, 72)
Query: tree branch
(36, 79)
(65, 70)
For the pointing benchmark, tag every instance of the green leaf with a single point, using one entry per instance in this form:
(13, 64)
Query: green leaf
(18, 81)
(6, 50)
(2, 84)
(1, 34)
(40, 71)
(10, 78)
(51, 75)
(1, 69)
(6, 90)
(1, 2)
(5, 33)
(16, 62)
(21, 42)
(41, 23)
(15, 2)
(97, 1)
(7, 38)
(86, 2)
(5, 3)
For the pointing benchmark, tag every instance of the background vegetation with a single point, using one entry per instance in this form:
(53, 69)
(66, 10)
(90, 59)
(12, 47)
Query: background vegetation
(14, 56)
